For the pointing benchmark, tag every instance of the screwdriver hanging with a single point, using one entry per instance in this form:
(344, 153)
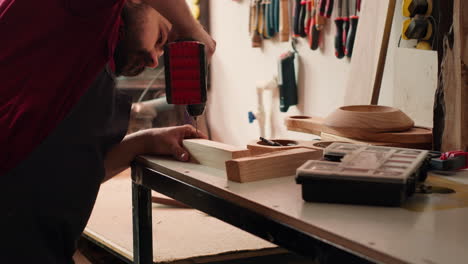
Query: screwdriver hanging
(346, 25)
(352, 31)
(339, 21)
(314, 33)
(299, 17)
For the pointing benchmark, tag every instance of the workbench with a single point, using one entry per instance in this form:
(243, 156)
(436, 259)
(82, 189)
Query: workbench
(428, 229)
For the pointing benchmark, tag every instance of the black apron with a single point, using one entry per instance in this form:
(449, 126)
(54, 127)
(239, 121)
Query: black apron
(46, 201)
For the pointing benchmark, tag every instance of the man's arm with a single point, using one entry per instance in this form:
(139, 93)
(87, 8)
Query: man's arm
(156, 141)
(178, 13)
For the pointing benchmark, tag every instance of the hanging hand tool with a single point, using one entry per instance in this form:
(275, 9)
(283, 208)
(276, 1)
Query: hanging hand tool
(314, 33)
(266, 13)
(352, 31)
(254, 23)
(339, 21)
(287, 79)
(346, 25)
(330, 4)
(299, 18)
(297, 12)
(284, 20)
(275, 15)
(326, 8)
(308, 17)
(320, 19)
(268, 19)
(261, 18)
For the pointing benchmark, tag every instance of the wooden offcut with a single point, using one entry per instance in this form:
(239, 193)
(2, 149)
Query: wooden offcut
(267, 166)
(213, 154)
(370, 51)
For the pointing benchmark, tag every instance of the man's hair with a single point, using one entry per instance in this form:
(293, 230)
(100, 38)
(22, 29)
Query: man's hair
(134, 11)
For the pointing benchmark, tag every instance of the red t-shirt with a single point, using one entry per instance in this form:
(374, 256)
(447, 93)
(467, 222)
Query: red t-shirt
(50, 53)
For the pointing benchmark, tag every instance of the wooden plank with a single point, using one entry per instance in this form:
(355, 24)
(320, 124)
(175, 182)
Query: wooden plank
(331, 137)
(455, 81)
(307, 124)
(267, 166)
(370, 51)
(213, 154)
(415, 82)
(415, 135)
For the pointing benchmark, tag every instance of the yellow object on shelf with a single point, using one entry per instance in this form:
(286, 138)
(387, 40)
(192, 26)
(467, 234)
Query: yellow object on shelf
(406, 5)
(424, 45)
(408, 22)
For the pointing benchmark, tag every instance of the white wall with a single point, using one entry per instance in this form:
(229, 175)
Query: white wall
(237, 68)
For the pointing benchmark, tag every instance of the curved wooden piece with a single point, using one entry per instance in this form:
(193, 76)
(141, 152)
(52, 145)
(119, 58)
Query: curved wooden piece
(368, 118)
(313, 126)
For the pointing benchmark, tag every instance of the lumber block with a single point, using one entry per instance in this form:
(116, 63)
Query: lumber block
(272, 165)
(213, 154)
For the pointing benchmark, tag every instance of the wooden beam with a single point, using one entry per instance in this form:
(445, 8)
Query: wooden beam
(443, 13)
(454, 82)
(213, 154)
(267, 166)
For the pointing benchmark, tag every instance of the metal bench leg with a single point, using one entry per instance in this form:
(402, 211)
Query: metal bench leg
(142, 222)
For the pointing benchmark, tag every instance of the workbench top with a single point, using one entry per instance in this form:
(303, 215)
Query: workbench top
(429, 228)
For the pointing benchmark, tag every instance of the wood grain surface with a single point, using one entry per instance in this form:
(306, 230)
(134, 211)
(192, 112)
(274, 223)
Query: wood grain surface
(368, 118)
(314, 126)
(270, 165)
(370, 51)
(455, 81)
(213, 154)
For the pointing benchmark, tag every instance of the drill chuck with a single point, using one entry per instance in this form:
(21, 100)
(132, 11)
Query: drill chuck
(195, 109)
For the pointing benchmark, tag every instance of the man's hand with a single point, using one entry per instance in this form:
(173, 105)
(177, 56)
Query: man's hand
(197, 33)
(184, 24)
(156, 141)
(168, 141)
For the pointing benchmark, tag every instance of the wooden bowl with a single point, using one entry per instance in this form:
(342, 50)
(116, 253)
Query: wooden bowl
(368, 118)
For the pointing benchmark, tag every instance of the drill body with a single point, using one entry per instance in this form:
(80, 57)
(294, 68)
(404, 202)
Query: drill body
(186, 75)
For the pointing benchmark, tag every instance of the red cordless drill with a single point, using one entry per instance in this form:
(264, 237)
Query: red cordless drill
(185, 68)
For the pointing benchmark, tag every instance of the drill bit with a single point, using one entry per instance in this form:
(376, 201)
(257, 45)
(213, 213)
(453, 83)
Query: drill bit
(196, 124)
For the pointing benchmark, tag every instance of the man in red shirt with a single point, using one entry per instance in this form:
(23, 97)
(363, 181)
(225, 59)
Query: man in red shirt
(62, 123)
